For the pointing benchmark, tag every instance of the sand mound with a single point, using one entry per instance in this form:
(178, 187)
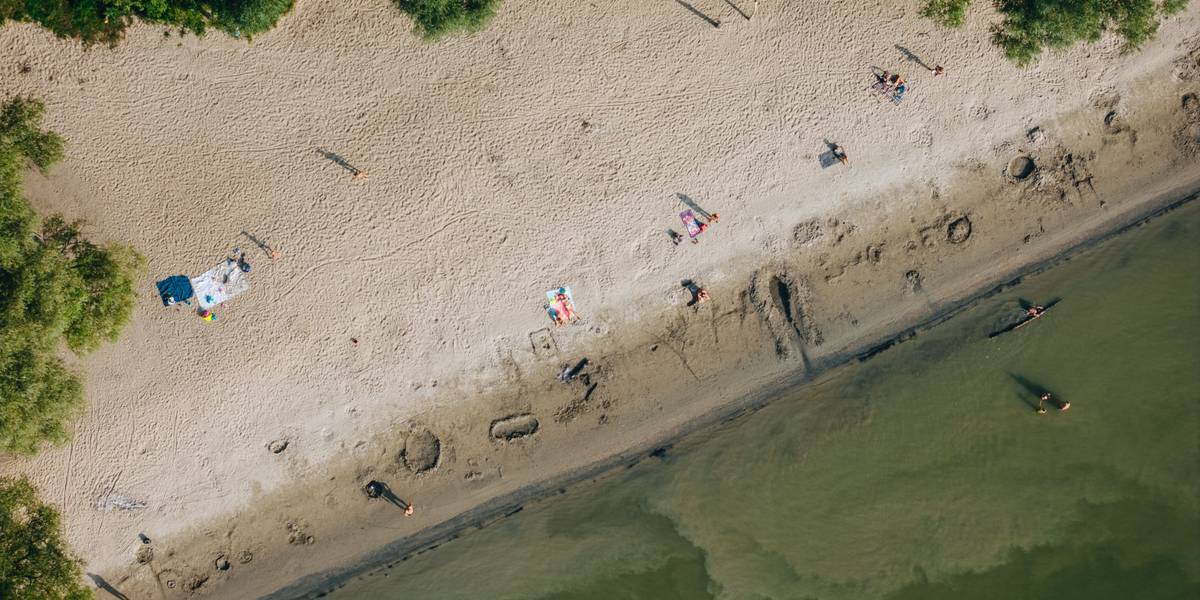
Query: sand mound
(1021, 167)
(514, 427)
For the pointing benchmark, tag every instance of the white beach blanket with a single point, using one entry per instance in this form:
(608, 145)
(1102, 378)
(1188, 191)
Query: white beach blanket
(219, 284)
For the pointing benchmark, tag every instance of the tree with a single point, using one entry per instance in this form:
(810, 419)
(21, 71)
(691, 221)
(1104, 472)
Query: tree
(34, 561)
(56, 288)
(106, 20)
(436, 18)
(1032, 26)
(947, 12)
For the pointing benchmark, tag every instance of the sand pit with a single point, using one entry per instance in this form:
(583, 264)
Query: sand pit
(548, 150)
(421, 451)
(959, 230)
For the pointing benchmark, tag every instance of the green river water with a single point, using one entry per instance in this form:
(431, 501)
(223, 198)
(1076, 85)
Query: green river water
(922, 474)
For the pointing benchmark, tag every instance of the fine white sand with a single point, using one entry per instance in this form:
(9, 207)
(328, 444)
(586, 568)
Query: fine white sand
(546, 150)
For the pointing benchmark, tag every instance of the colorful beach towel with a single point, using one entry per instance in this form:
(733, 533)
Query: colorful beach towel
(560, 305)
(690, 223)
(220, 283)
(176, 288)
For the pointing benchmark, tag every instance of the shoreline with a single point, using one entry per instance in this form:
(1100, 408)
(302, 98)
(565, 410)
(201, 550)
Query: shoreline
(400, 336)
(320, 584)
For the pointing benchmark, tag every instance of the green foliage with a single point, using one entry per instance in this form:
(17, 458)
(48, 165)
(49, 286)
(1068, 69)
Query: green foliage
(34, 561)
(105, 20)
(949, 13)
(436, 18)
(56, 287)
(18, 122)
(1031, 26)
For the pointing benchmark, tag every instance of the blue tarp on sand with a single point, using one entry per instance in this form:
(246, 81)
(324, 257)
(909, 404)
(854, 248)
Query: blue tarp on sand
(175, 288)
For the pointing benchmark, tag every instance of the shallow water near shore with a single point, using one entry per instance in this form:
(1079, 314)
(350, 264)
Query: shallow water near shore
(922, 474)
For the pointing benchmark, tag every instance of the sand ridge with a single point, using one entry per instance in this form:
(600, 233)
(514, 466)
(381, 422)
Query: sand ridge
(546, 150)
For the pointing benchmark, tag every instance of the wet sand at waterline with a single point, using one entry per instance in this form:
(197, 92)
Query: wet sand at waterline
(554, 148)
(923, 473)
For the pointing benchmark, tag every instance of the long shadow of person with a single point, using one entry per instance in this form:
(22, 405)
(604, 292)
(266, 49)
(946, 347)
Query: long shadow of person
(1033, 390)
(908, 54)
(339, 161)
(692, 9)
(381, 490)
(687, 200)
(106, 586)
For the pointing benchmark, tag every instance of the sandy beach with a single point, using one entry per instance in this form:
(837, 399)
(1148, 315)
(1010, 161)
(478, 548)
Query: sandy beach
(400, 333)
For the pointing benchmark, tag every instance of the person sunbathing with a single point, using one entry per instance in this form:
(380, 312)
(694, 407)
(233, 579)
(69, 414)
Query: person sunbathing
(562, 310)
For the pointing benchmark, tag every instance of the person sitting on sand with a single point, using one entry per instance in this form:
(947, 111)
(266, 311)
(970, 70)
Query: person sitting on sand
(1063, 406)
(701, 295)
(1035, 311)
(840, 154)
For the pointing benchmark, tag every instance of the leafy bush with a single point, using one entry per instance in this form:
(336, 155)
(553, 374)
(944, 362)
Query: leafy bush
(56, 287)
(1031, 26)
(946, 12)
(105, 20)
(34, 561)
(436, 18)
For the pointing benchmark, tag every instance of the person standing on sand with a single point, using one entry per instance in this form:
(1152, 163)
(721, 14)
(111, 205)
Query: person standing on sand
(937, 70)
(1041, 407)
(377, 489)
